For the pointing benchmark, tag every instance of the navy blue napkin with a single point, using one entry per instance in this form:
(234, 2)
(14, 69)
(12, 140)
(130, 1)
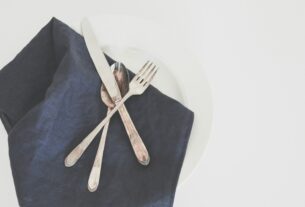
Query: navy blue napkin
(49, 101)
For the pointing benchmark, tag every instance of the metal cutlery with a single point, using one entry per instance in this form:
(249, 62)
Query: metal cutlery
(108, 79)
(122, 78)
(137, 86)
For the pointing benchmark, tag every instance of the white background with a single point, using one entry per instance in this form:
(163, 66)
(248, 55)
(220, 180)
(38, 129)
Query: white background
(253, 53)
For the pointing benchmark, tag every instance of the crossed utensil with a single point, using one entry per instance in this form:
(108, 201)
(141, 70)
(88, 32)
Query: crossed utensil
(137, 86)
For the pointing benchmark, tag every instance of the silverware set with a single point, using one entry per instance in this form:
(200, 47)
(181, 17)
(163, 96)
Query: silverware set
(114, 92)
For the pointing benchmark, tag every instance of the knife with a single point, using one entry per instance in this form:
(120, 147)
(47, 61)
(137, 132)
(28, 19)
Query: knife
(110, 83)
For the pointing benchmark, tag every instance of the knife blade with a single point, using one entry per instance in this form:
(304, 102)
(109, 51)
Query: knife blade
(100, 61)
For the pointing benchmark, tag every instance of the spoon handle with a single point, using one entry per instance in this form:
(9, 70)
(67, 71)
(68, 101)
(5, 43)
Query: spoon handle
(94, 177)
(134, 137)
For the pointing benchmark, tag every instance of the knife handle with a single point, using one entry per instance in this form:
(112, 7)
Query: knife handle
(134, 137)
(78, 151)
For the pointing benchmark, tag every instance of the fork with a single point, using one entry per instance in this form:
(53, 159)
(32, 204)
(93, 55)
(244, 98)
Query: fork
(137, 86)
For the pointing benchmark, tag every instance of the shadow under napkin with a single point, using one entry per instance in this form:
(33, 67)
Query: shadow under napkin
(49, 101)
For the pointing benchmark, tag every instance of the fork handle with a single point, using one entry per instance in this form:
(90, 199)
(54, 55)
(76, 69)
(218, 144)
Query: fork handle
(136, 142)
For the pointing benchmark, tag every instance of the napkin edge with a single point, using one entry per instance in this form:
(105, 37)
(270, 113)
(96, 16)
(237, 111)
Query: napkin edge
(5, 121)
(179, 166)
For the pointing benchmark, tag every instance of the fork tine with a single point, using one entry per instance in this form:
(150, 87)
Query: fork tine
(151, 76)
(146, 71)
(149, 71)
(142, 70)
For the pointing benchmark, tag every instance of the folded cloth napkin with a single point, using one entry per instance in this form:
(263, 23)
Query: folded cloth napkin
(50, 100)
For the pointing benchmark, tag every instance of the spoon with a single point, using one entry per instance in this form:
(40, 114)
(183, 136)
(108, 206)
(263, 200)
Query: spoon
(122, 78)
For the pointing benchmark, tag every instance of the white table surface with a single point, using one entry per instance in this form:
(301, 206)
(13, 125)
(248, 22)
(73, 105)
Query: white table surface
(253, 52)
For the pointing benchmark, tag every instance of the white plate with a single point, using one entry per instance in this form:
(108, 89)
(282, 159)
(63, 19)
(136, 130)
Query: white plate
(133, 41)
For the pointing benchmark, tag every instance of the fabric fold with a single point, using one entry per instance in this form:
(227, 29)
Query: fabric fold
(49, 101)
